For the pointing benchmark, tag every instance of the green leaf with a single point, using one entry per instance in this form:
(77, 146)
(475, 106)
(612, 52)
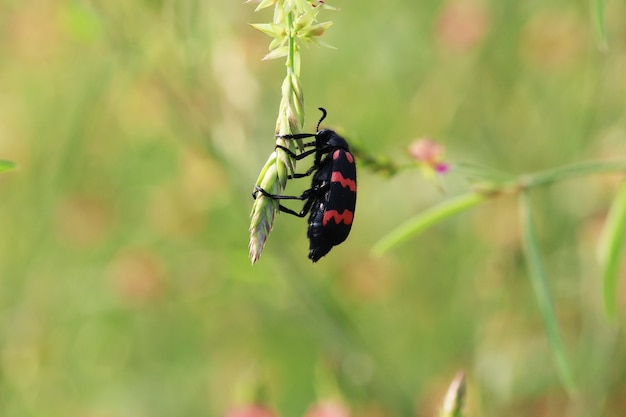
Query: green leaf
(597, 11)
(277, 53)
(561, 173)
(262, 4)
(316, 30)
(540, 286)
(320, 42)
(610, 247)
(306, 19)
(426, 219)
(7, 165)
(280, 41)
(475, 173)
(271, 29)
(327, 6)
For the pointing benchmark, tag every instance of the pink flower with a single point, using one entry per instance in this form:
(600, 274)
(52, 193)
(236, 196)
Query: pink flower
(430, 155)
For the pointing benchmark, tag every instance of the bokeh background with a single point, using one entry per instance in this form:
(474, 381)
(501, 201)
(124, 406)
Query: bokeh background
(139, 129)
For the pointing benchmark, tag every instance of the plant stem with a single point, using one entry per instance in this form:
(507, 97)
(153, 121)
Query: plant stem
(570, 171)
(485, 190)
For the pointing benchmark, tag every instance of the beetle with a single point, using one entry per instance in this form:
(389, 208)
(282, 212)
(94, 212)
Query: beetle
(331, 199)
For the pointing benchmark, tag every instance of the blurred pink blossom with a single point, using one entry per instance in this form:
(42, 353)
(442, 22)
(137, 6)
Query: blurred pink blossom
(462, 24)
(328, 408)
(430, 155)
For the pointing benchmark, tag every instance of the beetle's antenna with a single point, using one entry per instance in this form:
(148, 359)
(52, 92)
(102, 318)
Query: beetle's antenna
(323, 110)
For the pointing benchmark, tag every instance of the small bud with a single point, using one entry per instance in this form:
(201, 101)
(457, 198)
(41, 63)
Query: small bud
(455, 397)
(317, 29)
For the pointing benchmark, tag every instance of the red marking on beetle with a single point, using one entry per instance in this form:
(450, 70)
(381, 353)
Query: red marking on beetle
(346, 217)
(338, 152)
(345, 182)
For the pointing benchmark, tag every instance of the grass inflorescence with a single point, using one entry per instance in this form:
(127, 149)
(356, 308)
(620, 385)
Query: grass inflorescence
(294, 22)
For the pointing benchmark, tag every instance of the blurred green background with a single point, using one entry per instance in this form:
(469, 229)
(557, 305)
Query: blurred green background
(139, 129)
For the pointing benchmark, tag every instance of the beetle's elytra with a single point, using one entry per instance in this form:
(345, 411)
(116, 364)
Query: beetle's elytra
(331, 200)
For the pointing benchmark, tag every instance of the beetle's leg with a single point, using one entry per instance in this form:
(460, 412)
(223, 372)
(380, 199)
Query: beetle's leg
(294, 213)
(305, 174)
(295, 156)
(258, 189)
(296, 136)
(306, 195)
(304, 154)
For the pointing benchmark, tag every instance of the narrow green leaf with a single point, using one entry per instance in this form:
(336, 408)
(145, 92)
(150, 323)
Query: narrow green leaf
(426, 219)
(320, 42)
(276, 53)
(270, 29)
(263, 4)
(280, 41)
(561, 173)
(279, 52)
(540, 287)
(475, 173)
(610, 247)
(6, 165)
(327, 6)
(599, 23)
(316, 30)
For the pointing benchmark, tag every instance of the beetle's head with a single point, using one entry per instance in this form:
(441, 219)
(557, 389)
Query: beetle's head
(327, 137)
(330, 138)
